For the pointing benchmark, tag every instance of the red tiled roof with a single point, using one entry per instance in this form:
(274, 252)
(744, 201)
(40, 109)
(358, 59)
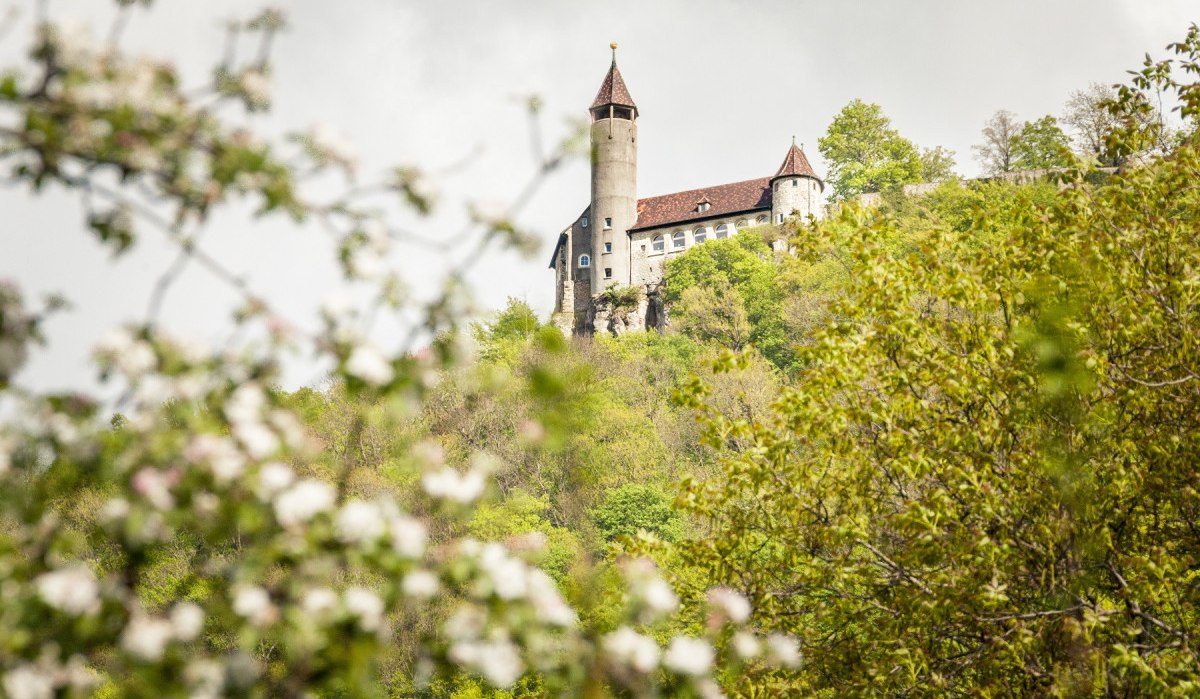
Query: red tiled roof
(796, 164)
(725, 199)
(613, 90)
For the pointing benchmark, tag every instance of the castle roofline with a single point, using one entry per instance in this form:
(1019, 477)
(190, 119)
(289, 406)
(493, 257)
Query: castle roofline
(723, 200)
(795, 164)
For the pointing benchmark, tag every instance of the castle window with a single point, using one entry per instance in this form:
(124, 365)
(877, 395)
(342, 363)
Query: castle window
(585, 260)
(699, 235)
(795, 183)
(608, 272)
(763, 219)
(740, 225)
(583, 221)
(658, 244)
(608, 247)
(679, 240)
(723, 231)
(607, 223)
(779, 218)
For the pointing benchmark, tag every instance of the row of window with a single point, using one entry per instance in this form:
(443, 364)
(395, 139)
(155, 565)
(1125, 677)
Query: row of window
(679, 239)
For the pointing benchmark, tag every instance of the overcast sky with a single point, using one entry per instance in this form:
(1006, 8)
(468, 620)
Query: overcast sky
(722, 88)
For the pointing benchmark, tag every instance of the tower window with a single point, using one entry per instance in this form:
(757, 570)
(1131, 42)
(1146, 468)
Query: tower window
(779, 218)
(607, 223)
(585, 260)
(658, 244)
(699, 235)
(608, 247)
(583, 222)
(608, 272)
(723, 231)
(679, 240)
(795, 183)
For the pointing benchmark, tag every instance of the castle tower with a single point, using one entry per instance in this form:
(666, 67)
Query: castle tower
(795, 188)
(614, 179)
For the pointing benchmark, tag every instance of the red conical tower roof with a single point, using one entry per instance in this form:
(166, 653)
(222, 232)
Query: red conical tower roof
(796, 165)
(613, 90)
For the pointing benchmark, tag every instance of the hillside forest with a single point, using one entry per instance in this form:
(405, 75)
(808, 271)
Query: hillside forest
(941, 446)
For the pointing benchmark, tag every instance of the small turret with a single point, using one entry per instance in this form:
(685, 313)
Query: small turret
(614, 179)
(795, 189)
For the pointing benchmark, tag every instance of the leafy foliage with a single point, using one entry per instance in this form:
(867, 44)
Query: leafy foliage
(865, 154)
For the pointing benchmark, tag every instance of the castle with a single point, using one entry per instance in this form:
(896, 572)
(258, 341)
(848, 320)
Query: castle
(608, 265)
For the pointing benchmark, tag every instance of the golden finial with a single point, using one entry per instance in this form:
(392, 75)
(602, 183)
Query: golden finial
(613, 46)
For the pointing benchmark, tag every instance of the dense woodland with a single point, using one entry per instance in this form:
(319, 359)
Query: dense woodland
(945, 446)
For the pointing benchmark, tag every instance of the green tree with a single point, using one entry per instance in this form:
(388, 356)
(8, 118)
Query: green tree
(999, 135)
(865, 154)
(632, 508)
(937, 164)
(1040, 145)
(738, 269)
(982, 482)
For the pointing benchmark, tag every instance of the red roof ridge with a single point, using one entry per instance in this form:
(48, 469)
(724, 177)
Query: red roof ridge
(679, 207)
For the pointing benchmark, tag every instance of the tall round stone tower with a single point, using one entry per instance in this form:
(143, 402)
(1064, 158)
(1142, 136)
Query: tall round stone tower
(795, 188)
(614, 179)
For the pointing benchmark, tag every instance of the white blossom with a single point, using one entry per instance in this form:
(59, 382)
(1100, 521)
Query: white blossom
(658, 597)
(359, 522)
(257, 88)
(629, 648)
(498, 660)
(130, 355)
(303, 501)
(273, 478)
(258, 439)
(365, 605)
(369, 364)
(420, 584)
(187, 621)
(28, 682)
(330, 145)
(220, 454)
(548, 604)
(155, 486)
(253, 603)
(506, 574)
(72, 590)
(7, 446)
(746, 645)
(319, 602)
(146, 637)
(408, 536)
(783, 650)
(449, 484)
(689, 656)
(732, 604)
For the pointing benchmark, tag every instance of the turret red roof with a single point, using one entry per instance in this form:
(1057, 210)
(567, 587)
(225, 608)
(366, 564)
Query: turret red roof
(796, 165)
(613, 90)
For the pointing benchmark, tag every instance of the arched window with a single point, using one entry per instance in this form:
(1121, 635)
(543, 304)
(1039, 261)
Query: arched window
(658, 244)
(699, 235)
(723, 231)
(585, 260)
(678, 240)
(763, 219)
(741, 224)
